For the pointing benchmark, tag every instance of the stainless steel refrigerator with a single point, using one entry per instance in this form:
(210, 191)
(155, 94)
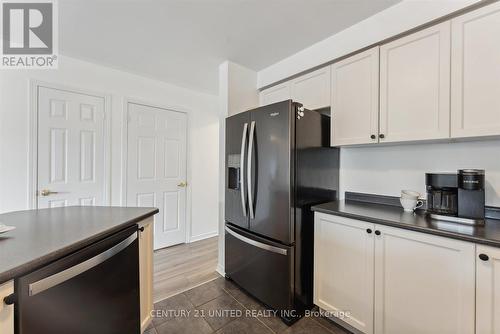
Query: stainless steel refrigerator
(278, 164)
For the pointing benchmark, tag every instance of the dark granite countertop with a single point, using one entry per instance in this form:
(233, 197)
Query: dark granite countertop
(391, 215)
(44, 235)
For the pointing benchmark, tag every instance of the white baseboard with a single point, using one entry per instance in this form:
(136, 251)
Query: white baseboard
(203, 236)
(220, 270)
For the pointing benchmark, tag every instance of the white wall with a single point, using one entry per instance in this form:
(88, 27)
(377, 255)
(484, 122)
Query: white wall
(237, 93)
(386, 170)
(242, 94)
(203, 132)
(397, 19)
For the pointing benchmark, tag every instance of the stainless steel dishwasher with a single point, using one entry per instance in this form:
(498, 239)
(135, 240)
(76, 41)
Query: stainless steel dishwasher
(94, 290)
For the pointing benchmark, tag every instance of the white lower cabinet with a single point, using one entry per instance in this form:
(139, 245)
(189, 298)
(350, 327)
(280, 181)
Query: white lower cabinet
(6, 311)
(488, 290)
(423, 283)
(391, 280)
(343, 269)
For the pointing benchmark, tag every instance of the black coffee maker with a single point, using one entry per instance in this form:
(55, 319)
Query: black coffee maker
(457, 197)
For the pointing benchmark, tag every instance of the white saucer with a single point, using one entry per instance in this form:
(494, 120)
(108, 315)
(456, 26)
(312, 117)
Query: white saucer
(5, 228)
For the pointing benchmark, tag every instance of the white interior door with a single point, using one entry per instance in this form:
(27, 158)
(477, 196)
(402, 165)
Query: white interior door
(71, 148)
(156, 169)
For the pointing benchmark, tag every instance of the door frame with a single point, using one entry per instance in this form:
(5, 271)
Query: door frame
(34, 85)
(124, 162)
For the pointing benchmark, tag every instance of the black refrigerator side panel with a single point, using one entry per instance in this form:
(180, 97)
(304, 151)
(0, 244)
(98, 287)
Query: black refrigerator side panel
(271, 172)
(316, 173)
(236, 209)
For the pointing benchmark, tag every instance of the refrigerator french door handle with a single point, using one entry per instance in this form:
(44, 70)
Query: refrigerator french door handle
(67, 274)
(249, 169)
(255, 243)
(242, 166)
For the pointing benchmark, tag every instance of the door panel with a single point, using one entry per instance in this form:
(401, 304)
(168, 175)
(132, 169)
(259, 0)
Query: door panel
(156, 169)
(70, 148)
(236, 206)
(355, 99)
(312, 90)
(415, 86)
(343, 278)
(488, 290)
(249, 262)
(475, 73)
(271, 171)
(275, 94)
(423, 283)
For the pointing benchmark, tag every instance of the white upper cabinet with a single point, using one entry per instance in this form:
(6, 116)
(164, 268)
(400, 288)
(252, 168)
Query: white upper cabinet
(343, 269)
(415, 86)
(423, 283)
(355, 99)
(488, 290)
(475, 76)
(275, 94)
(312, 89)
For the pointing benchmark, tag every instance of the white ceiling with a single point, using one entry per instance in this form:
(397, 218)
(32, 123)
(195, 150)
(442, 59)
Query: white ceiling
(183, 41)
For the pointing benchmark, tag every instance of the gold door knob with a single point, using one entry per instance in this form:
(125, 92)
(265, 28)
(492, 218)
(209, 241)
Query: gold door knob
(182, 184)
(47, 192)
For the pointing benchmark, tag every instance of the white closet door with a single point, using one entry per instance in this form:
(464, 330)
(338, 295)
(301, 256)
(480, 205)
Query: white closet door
(71, 165)
(475, 76)
(156, 169)
(355, 99)
(415, 86)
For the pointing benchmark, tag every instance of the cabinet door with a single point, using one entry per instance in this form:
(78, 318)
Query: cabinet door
(313, 89)
(475, 76)
(423, 283)
(6, 311)
(355, 95)
(415, 86)
(343, 269)
(146, 271)
(488, 290)
(275, 94)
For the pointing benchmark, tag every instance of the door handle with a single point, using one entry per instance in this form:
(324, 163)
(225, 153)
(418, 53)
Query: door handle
(67, 274)
(249, 170)
(242, 166)
(47, 192)
(182, 184)
(255, 243)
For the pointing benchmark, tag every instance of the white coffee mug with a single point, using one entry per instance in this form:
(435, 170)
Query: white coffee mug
(410, 194)
(409, 204)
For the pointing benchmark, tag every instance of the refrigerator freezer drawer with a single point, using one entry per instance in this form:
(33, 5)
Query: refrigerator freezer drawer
(262, 268)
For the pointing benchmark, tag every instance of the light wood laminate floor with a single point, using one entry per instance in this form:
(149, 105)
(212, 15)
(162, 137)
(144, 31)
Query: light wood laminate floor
(182, 267)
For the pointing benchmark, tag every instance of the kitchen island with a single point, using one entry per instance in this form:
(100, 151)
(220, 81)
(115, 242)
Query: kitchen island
(45, 237)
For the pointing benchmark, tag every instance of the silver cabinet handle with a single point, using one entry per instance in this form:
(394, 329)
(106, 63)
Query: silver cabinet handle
(260, 245)
(242, 164)
(249, 170)
(67, 274)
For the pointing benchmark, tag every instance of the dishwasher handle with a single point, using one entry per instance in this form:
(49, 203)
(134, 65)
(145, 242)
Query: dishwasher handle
(67, 274)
